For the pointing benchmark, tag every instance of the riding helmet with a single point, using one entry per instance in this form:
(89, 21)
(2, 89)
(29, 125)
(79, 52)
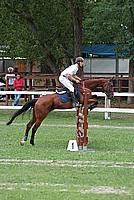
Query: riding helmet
(79, 59)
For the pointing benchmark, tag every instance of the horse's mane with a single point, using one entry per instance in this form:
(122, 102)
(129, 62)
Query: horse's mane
(95, 82)
(96, 79)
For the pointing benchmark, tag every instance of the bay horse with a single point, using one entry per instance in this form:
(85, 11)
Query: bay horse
(47, 103)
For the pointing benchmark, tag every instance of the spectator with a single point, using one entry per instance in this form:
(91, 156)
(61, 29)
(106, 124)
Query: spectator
(10, 80)
(18, 86)
(2, 86)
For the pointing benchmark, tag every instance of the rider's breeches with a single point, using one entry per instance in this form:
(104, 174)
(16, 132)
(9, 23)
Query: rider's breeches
(68, 84)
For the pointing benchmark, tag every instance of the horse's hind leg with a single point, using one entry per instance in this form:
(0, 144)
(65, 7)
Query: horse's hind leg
(41, 111)
(34, 129)
(28, 127)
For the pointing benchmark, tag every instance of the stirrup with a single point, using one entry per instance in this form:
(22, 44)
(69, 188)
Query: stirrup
(76, 104)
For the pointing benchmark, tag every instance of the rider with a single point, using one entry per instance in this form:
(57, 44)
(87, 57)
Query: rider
(68, 76)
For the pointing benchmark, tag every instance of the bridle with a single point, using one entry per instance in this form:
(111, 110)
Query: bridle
(108, 89)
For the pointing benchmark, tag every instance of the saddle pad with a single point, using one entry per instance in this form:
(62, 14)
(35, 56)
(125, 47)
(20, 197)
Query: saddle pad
(64, 98)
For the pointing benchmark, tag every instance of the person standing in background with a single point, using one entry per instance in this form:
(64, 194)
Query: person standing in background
(18, 85)
(10, 79)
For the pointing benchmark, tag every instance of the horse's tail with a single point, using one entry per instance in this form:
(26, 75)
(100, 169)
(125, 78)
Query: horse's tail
(26, 106)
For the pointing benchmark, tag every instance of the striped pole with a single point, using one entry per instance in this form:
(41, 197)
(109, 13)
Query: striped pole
(82, 123)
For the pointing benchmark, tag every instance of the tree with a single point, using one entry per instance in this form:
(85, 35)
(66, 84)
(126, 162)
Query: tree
(112, 22)
(76, 9)
(51, 30)
(37, 30)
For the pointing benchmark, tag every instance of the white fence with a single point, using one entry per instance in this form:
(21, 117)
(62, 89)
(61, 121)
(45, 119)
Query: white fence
(107, 107)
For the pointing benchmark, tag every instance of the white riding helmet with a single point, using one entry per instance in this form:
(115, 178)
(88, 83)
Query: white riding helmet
(79, 59)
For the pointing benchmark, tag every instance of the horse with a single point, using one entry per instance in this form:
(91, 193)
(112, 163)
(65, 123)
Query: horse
(47, 103)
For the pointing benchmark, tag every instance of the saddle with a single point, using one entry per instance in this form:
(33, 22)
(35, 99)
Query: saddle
(64, 94)
(62, 90)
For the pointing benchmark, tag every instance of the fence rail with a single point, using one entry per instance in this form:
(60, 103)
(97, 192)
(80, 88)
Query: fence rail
(107, 107)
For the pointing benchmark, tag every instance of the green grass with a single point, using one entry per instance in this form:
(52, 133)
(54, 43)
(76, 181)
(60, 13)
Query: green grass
(57, 181)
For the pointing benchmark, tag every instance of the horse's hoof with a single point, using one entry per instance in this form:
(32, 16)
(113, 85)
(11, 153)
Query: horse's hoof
(32, 143)
(22, 142)
(92, 107)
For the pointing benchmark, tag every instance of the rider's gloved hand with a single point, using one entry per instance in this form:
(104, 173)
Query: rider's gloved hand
(77, 81)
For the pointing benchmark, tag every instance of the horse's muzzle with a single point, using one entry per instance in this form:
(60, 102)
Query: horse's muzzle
(110, 96)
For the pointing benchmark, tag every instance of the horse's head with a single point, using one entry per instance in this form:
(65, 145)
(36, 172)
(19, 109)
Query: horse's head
(108, 88)
(105, 84)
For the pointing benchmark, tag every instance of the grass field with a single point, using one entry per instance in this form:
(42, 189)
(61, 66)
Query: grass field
(47, 171)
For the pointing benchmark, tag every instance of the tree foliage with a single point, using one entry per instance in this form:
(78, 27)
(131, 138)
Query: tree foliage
(51, 30)
(110, 22)
(37, 30)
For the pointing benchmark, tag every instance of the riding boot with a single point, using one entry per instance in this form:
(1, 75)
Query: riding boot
(74, 100)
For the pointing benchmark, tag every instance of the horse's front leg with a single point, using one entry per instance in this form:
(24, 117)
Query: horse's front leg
(92, 103)
(28, 127)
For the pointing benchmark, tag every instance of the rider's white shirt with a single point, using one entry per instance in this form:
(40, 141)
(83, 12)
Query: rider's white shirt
(72, 70)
